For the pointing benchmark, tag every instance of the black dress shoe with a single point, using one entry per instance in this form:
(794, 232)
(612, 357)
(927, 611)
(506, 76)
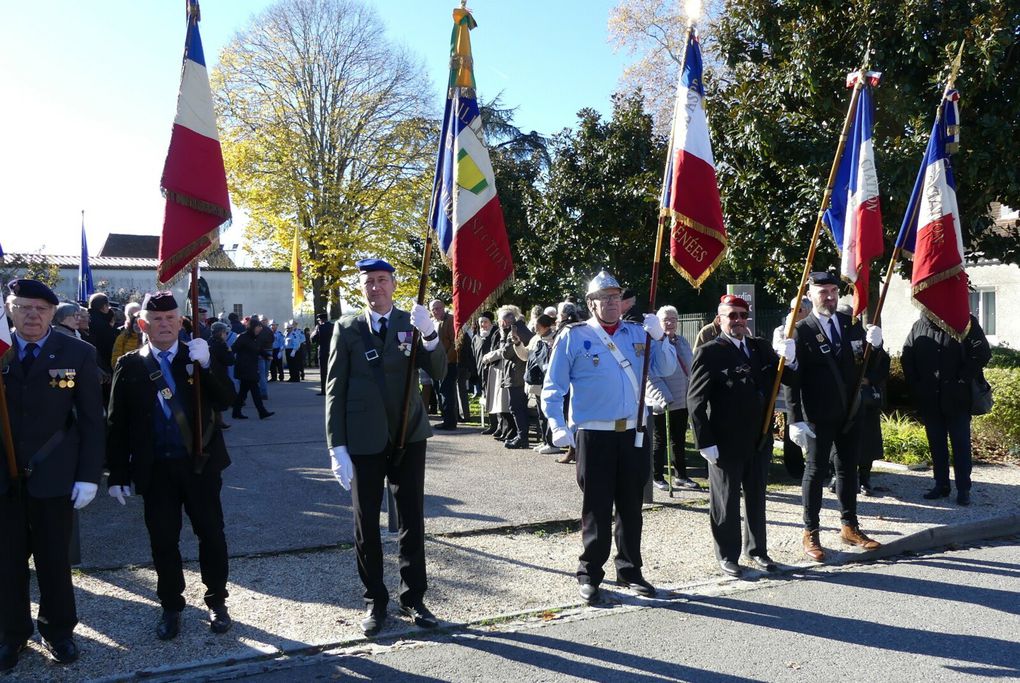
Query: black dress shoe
(444, 426)
(63, 651)
(763, 562)
(589, 593)
(266, 414)
(374, 619)
(239, 416)
(963, 497)
(9, 652)
(730, 568)
(420, 614)
(936, 493)
(515, 444)
(639, 585)
(169, 625)
(219, 619)
(491, 429)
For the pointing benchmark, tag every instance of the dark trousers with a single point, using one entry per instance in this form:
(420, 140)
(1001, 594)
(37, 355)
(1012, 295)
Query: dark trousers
(816, 468)
(610, 469)
(463, 378)
(40, 527)
(407, 482)
(519, 411)
(448, 395)
(323, 371)
(726, 481)
(247, 386)
(956, 427)
(543, 424)
(276, 367)
(175, 486)
(678, 440)
(295, 366)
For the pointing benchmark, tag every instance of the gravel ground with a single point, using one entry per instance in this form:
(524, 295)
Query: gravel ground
(293, 601)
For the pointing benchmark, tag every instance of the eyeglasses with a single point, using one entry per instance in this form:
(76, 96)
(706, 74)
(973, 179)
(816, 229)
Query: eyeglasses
(38, 310)
(609, 298)
(742, 315)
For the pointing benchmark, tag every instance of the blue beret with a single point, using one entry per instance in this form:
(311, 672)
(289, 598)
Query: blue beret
(32, 289)
(828, 277)
(367, 265)
(159, 301)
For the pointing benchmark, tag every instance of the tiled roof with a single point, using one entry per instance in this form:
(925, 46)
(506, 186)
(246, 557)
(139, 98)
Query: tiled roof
(130, 246)
(117, 262)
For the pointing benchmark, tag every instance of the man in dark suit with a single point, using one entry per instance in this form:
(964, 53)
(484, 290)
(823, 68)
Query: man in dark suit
(446, 387)
(368, 368)
(323, 336)
(731, 379)
(822, 408)
(54, 401)
(151, 444)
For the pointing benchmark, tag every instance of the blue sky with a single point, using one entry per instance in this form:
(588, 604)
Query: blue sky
(90, 91)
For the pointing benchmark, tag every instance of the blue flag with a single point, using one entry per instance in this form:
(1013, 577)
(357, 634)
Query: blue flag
(85, 286)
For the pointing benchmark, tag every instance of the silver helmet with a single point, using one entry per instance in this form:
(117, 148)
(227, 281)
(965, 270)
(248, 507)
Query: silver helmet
(604, 280)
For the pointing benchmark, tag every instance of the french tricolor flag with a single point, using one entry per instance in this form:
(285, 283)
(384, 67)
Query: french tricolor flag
(690, 194)
(194, 181)
(931, 231)
(466, 214)
(854, 216)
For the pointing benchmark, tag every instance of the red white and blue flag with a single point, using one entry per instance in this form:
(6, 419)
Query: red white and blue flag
(854, 216)
(194, 181)
(465, 213)
(690, 194)
(931, 232)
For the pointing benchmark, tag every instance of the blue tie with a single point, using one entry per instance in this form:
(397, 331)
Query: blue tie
(164, 365)
(834, 333)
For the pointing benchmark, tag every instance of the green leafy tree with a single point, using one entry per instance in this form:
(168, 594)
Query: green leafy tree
(35, 266)
(325, 129)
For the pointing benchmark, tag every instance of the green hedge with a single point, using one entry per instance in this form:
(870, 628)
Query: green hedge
(1004, 357)
(997, 434)
(904, 440)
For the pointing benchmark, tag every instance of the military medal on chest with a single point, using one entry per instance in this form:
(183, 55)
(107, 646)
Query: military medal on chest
(166, 393)
(404, 342)
(190, 368)
(63, 379)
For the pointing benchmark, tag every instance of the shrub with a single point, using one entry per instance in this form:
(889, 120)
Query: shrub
(996, 435)
(904, 440)
(1004, 357)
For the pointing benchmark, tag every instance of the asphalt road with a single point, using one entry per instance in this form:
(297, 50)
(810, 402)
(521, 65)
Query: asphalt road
(951, 615)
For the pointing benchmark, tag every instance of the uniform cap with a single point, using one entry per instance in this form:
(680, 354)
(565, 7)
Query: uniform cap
(159, 301)
(369, 265)
(32, 289)
(734, 301)
(826, 277)
(604, 280)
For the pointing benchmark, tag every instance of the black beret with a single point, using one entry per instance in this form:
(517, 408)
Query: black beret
(827, 277)
(369, 265)
(159, 301)
(32, 289)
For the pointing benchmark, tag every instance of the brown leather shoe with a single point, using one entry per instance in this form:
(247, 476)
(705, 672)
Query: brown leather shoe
(852, 535)
(812, 546)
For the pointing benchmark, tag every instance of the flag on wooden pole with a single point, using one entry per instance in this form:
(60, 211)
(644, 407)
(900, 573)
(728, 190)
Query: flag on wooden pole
(465, 213)
(194, 180)
(85, 286)
(295, 270)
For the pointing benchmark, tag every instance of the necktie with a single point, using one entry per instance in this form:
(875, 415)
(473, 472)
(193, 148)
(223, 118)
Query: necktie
(834, 335)
(745, 350)
(164, 365)
(382, 329)
(29, 359)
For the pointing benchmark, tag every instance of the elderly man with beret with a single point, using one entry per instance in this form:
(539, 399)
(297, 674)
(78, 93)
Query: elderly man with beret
(55, 406)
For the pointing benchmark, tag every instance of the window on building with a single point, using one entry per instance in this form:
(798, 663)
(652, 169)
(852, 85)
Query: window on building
(982, 305)
(239, 310)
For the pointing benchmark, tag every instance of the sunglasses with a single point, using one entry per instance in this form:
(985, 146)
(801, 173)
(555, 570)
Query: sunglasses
(742, 315)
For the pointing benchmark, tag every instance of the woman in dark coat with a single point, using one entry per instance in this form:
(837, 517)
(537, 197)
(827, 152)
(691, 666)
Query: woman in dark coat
(247, 350)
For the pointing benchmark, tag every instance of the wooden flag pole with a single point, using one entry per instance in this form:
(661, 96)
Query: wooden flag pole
(813, 246)
(639, 435)
(200, 455)
(5, 424)
(898, 248)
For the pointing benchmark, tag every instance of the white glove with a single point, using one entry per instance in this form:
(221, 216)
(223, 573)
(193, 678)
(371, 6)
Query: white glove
(653, 326)
(343, 468)
(873, 335)
(421, 319)
(562, 438)
(198, 351)
(785, 348)
(711, 454)
(292, 353)
(120, 493)
(800, 432)
(83, 493)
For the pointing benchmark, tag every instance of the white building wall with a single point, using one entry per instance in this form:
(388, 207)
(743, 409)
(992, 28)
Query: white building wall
(266, 292)
(900, 313)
